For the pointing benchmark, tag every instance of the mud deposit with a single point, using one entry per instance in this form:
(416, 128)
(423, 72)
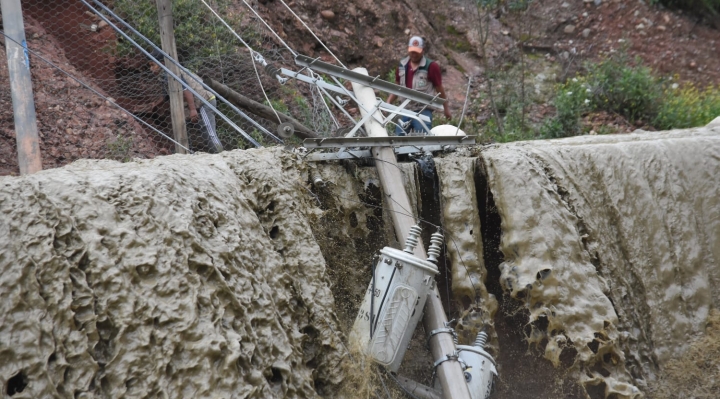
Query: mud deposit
(178, 277)
(592, 262)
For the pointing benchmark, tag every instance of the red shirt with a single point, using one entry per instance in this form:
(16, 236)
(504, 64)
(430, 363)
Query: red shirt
(434, 75)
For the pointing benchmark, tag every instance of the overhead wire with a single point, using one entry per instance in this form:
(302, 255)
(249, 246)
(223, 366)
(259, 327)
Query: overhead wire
(167, 56)
(165, 68)
(446, 233)
(252, 58)
(313, 34)
(36, 54)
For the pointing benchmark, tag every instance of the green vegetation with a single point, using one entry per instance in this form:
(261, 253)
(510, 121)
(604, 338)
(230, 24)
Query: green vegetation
(687, 106)
(119, 149)
(633, 91)
(197, 33)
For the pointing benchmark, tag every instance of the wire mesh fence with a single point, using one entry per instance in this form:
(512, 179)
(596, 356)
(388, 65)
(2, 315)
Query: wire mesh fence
(98, 95)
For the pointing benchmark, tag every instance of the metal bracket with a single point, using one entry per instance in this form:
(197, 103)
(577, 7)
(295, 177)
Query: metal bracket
(392, 141)
(445, 330)
(448, 357)
(369, 81)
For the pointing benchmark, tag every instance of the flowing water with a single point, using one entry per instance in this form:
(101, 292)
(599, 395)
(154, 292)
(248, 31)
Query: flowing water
(592, 262)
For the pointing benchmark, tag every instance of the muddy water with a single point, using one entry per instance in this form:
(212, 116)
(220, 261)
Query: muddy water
(592, 263)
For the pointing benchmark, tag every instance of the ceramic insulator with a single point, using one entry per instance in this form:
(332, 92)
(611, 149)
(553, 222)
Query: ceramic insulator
(412, 239)
(436, 241)
(481, 339)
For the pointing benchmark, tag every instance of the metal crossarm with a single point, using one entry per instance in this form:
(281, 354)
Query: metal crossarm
(369, 81)
(394, 141)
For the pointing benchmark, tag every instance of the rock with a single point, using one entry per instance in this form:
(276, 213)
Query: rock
(586, 33)
(661, 28)
(640, 26)
(328, 15)
(565, 5)
(569, 29)
(693, 64)
(407, 31)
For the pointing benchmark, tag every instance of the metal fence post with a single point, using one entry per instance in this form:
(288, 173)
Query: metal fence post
(26, 132)
(167, 39)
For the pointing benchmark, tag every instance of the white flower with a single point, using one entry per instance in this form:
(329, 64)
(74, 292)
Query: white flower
(574, 79)
(588, 90)
(569, 93)
(587, 101)
(675, 86)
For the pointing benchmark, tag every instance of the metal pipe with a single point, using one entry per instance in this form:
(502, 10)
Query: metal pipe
(26, 132)
(443, 348)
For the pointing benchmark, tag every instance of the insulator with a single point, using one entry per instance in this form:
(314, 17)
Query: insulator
(481, 339)
(271, 70)
(436, 241)
(412, 239)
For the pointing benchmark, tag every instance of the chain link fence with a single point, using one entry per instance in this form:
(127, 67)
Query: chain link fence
(97, 94)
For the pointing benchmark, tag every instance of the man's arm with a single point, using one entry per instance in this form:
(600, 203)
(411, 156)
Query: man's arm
(435, 77)
(191, 105)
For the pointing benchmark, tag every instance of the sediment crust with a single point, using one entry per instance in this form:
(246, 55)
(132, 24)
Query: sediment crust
(176, 277)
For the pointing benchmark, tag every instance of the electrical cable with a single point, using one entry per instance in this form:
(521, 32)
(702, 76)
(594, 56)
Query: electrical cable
(167, 56)
(402, 387)
(252, 58)
(170, 73)
(34, 53)
(446, 232)
(312, 33)
(270, 29)
(467, 94)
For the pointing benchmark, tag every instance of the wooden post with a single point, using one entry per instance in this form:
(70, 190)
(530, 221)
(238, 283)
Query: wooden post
(26, 132)
(449, 373)
(177, 107)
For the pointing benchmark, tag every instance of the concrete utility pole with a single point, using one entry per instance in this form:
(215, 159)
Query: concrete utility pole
(175, 89)
(449, 372)
(26, 132)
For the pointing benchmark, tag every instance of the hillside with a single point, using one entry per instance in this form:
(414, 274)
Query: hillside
(557, 39)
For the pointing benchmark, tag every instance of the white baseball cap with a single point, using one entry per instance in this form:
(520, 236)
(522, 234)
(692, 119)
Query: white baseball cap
(416, 44)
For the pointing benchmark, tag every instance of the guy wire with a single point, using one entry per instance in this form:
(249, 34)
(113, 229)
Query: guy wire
(35, 53)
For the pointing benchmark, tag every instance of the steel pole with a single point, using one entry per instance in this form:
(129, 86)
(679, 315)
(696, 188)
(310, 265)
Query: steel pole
(175, 89)
(26, 132)
(449, 372)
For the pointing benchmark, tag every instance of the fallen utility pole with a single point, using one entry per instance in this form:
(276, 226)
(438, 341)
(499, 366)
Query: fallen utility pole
(175, 89)
(26, 132)
(258, 109)
(442, 346)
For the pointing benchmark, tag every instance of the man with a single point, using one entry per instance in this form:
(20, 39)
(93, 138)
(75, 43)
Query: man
(418, 72)
(205, 118)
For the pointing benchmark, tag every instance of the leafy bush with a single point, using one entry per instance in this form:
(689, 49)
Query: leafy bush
(197, 33)
(687, 106)
(631, 91)
(572, 99)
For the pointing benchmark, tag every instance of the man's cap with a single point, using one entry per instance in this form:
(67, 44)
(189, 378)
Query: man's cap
(416, 44)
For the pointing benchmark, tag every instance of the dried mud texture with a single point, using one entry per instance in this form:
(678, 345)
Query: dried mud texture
(183, 276)
(464, 244)
(612, 242)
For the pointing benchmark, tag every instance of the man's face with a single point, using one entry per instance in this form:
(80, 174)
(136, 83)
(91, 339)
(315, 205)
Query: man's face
(415, 57)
